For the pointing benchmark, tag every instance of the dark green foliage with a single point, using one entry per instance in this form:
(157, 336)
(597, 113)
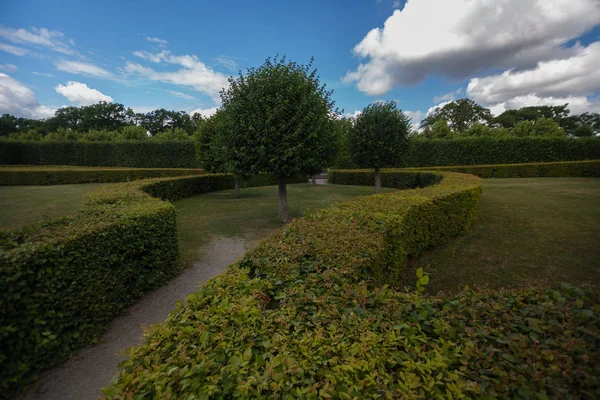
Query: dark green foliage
(509, 150)
(566, 169)
(379, 136)
(69, 175)
(209, 144)
(459, 115)
(136, 154)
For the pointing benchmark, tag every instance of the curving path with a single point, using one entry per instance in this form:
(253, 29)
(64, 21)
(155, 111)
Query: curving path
(84, 375)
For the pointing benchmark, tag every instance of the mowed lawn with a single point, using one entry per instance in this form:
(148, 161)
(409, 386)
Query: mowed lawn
(253, 215)
(23, 205)
(528, 231)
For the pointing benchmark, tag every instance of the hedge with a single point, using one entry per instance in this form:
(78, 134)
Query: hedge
(61, 282)
(135, 154)
(59, 175)
(313, 312)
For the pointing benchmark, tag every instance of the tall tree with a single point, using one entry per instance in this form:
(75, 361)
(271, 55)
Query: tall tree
(162, 120)
(279, 121)
(379, 137)
(459, 115)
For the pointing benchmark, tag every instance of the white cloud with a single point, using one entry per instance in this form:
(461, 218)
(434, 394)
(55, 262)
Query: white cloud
(181, 95)
(81, 94)
(355, 114)
(456, 38)
(415, 118)
(194, 73)
(205, 112)
(17, 51)
(448, 96)
(53, 40)
(227, 62)
(83, 68)
(157, 41)
(19, 100)
(43, 74)
(8, 67)
(574, 76)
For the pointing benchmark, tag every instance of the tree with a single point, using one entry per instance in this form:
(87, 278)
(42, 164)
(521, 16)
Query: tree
(379, 137)
(439, 130)
(459, 114)
(509, 118)
(278, 122)
(540, 127)
(162, 120)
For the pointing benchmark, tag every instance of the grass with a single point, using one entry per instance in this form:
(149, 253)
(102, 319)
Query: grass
(23, 205)
(252, 216)
(529, 231)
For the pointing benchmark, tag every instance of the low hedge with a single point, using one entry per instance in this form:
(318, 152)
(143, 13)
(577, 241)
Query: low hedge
(134, 154)
(61, 282)
(567, 169)
(60, 175)
(313, 312)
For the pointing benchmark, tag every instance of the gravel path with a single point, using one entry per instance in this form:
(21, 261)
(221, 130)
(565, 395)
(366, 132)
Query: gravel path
(87, 372)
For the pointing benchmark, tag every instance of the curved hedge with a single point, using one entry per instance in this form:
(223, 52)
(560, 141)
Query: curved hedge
(135, 153)
(61, 282)
(305, 315)
(60, 175)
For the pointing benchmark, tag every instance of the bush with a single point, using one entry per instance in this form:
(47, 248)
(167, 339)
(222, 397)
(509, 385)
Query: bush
(136, 154)
(61, 282)
(68, 175)
(567, 169)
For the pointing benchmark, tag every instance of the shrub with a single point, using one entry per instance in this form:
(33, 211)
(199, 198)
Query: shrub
(136, 154)
(567, 169)
(62, 281)
(68, 175)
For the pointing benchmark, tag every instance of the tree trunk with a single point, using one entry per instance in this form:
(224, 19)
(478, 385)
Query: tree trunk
(237, 188)
(314, 180)
(283, 204)
(377, 181)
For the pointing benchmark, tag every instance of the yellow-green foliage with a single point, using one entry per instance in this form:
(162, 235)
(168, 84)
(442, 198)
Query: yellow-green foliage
(567, 169)
(62, 281)
(61, 175)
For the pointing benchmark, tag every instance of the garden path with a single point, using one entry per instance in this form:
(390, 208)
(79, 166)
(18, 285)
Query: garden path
(84, 375)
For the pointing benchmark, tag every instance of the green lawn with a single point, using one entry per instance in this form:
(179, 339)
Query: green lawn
(23, 205)
(252, 216)
(533, 230)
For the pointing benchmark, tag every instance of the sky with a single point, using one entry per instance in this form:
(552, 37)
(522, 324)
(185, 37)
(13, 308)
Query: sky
(178, 55)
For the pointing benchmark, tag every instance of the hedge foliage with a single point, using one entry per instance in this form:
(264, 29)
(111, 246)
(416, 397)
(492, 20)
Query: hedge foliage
(135, 154)
(61, 282)
(313, 312)
(60, 175)
(566, 169)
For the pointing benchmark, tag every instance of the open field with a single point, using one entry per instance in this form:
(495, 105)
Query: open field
(253, 215)
(531, 230)
(23, 205)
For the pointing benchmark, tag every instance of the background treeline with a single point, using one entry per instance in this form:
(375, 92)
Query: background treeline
(102, 122)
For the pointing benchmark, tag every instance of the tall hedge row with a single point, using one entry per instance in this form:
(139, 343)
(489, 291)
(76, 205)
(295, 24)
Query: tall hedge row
(511, 150)
(136, 154)
(61, 282)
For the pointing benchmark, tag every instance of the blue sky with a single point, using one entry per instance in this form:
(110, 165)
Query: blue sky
(176, 54)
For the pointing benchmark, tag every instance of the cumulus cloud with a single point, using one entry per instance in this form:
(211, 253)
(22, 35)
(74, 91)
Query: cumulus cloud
(8, 67)
(19, 100)
(83, 68)
(53, 40)
(194, 73)
(457, 38)
(205, 112)
(577, 75)
(14, 50)
(81, 94)
(448, 96)
(415, 118)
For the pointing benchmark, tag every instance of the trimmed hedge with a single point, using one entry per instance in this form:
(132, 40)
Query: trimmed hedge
(566, 169)
(59, 175)
(61, 282)
(312, 313)
(135, 154)
(509, 150)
